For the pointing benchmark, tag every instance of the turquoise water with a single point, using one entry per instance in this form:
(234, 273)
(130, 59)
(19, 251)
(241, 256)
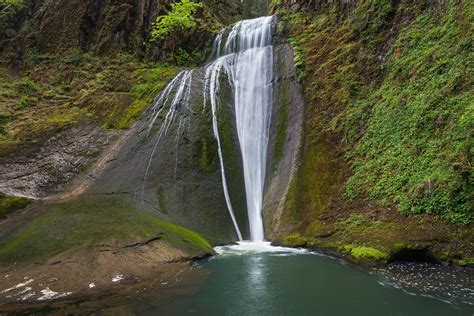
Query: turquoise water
(301, 283)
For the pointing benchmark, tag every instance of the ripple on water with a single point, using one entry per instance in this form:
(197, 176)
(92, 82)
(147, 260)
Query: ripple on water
(443, 283)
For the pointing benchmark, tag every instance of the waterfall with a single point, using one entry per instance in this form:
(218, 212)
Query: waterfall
(245, 55)
(248, 61)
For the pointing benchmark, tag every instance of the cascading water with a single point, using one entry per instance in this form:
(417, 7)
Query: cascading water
(246, 58)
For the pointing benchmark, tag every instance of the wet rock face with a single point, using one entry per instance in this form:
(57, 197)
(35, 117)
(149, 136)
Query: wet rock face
(285, 140)
(176, 176)
(102, 26)
(45, 167)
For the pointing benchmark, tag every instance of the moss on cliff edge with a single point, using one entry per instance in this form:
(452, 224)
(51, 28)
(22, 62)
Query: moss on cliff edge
(10, 204)
(88, 221)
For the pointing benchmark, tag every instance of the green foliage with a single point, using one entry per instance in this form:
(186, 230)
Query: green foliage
(26, 86)
(466, 262)
(8, 8)
(149, 81)
(13, 3)
(171, 27)
(25, 102)
(417, 147)
(64, 90)
(187, 59)
(180, 17)
(354, 220)
(5, 118)
(370, 17)
(397, 96)
(294, 240)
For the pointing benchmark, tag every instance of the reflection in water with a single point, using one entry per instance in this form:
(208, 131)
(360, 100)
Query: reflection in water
(256, 278)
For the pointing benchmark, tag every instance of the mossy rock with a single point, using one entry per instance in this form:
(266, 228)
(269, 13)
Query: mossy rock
(87, 222)
(319, 229)
(406, 246)
(294, 240)
(10, 204)
(466, 262)
(362, 252)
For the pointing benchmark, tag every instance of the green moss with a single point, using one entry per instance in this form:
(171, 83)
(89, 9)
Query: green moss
(10, 204)
(162, 199)
(320, 231)
(282, 123)
(317, 182)
(354, 220)
(87, 222)
(149, 81)
(26, 86)
(63, 90)
(399, 246)
(466, 262)
(361, 252)
(52, 120)
(26, 102)
(294, 240)
(5, 118)
(207, 153)
(404, 245)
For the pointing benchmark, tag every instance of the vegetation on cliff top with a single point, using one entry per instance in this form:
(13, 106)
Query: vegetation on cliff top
(73, 88)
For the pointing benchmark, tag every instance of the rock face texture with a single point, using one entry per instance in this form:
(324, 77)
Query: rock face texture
(286, 139)
(111, 268)
(109, 27)
(44, 169)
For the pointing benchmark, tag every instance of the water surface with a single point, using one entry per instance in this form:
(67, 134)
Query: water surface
(257, 280)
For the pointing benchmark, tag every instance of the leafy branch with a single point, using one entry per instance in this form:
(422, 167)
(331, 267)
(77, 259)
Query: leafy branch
(172, 25)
